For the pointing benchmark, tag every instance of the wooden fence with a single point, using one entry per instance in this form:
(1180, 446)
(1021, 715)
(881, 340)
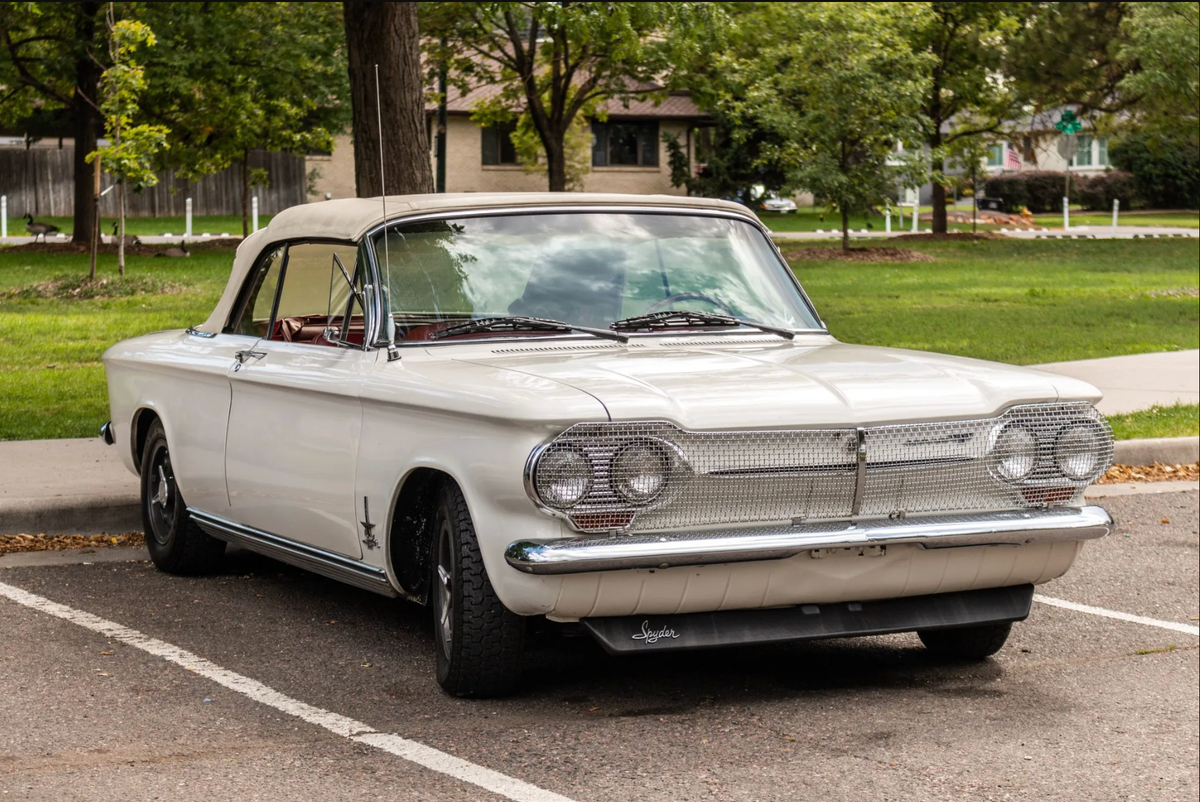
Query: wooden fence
(40, 181)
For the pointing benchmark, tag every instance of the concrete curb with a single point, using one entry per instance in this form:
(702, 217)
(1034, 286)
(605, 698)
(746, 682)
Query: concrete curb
(74, 515)
(1166, 450)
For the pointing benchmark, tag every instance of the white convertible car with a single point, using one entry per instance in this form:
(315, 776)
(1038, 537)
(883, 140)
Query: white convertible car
(620, 411)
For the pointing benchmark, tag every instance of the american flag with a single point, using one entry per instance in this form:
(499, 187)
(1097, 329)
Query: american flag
(1012, 159)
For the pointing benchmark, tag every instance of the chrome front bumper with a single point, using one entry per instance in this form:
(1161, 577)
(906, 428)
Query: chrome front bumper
(669, 549)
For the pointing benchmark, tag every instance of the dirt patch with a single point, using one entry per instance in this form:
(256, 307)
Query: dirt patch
(1150, 473)
(882, 254)
(80, 288)
(949, 236)
(14, 543)
(1183, 292)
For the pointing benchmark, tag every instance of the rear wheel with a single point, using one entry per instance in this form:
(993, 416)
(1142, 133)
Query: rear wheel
(176, 544)
(479, 640)
(966, 643)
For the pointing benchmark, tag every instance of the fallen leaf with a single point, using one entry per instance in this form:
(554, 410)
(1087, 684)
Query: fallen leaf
(105, 654)
(1166, 520)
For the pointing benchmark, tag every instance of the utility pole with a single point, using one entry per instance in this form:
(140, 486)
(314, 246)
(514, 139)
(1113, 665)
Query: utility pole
(439, 182)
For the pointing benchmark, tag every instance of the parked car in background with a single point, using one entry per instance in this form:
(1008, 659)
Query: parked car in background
(773, 203)
(621, 412)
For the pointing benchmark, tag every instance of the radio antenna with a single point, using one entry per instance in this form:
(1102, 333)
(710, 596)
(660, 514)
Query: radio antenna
(392, 352)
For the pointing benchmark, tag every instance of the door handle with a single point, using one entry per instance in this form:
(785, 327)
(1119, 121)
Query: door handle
(249, 353)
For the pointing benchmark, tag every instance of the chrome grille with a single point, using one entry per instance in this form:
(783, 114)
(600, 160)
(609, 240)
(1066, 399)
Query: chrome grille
(735, 477)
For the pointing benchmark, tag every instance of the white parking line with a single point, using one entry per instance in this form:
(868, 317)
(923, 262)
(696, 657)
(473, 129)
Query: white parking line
(422, 755)
(1135, 619)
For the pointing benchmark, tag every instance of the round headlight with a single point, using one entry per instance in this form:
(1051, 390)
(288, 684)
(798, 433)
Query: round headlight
(563, 477)
(639, 472)
(1077, 452)
(1014, 453)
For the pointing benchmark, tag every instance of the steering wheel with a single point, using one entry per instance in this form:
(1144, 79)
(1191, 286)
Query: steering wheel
(690, 296)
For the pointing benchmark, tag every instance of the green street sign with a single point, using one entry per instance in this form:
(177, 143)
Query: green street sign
(1068, 123)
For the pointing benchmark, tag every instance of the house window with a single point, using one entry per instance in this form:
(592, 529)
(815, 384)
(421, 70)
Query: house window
(625, 144)
(1083, 154)
(1102, 151)
(995, 157)
(498, 147)
(706, 143)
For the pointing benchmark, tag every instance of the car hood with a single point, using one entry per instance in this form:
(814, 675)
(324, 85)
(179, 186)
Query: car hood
(821, 382)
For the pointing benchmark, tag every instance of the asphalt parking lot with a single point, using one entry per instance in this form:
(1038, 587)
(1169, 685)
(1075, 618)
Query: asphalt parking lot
(266, 683)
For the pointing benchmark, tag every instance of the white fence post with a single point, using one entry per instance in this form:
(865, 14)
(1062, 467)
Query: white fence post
(1116, 209)
(3, 215)
(887, 220)
(1066, 214)
(187, 229)
(916, 209)
(254, 214)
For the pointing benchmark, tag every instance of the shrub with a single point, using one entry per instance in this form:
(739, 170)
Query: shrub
(1038, 190)
(1097, 193)
(1166, 173)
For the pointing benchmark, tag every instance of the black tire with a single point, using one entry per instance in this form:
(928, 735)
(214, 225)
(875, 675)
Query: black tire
(478, 640)
(966, 643)
(176, 544)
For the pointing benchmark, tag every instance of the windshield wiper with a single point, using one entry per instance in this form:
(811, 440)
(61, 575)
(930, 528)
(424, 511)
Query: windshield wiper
(686, 319)
(512, 323)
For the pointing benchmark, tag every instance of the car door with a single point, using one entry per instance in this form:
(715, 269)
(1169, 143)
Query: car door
(295, 414)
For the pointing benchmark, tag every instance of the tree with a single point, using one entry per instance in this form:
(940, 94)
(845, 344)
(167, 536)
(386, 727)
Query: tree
(1162, 42)
(384, 36)
(132, 149)
(232, 78)
(556, 61)
(1066, 53)
(52, 60)
(964, 98)
(840, 87)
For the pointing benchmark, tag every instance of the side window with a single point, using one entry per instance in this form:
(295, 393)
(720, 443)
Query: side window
(254, 314)
(316, 304)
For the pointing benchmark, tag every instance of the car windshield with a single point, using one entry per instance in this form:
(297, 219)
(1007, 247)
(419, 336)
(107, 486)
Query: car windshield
(584, 269)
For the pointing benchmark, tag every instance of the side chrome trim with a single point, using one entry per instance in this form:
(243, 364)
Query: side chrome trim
(669, 549)
(207, 335)
(319, 561)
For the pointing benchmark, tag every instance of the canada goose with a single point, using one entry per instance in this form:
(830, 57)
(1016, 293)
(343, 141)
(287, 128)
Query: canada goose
(175, 253)
(38, 229)
(130, 240)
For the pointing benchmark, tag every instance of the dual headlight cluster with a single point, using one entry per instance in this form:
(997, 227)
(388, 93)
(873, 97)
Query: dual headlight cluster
(637, 473)
(1075, 451)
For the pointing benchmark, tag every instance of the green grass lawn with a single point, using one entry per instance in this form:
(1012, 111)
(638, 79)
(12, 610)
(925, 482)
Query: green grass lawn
(1180, 420)
(1020, 301)
(51, 378)
(138, 226)
(809, 219)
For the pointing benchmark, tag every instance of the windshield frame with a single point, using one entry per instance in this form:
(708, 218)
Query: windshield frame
(376, 266)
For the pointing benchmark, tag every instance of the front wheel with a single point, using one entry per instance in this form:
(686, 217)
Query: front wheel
(966, 643)
(176, 544)
(479, 640)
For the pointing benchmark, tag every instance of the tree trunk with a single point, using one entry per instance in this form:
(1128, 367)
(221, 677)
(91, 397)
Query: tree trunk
(86, 118)
(245, 194)
(939, 189)
(385, 34)
(845, 228)
(556, 161)
(121, 230)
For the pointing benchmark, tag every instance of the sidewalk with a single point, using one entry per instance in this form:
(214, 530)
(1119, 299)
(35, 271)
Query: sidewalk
(80, 486)
(1075, 232)
(1140, 381)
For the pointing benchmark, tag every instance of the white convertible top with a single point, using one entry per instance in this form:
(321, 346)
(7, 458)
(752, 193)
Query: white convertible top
(349, 219)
